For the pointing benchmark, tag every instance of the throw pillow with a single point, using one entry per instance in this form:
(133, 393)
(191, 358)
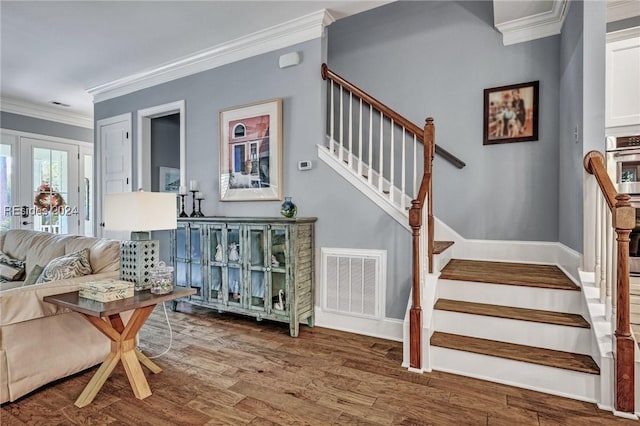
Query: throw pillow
(68, 266)
(10, 269)
(33, 276)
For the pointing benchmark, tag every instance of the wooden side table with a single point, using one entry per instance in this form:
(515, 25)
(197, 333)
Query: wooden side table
(106, 318)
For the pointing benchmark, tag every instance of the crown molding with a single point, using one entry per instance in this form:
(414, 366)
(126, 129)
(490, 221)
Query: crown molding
(16, 106)
(618, 10)
(536, 26)
(292, 32)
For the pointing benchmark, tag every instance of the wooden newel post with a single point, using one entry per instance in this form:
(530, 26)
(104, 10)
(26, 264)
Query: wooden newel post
(624, 220)
(429, 149)
(415, 313)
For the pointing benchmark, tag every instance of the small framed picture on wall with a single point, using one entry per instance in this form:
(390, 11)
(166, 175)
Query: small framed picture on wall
(511, 113)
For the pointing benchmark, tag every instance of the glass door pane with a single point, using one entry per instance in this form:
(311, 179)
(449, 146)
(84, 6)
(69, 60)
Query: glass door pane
(6, 185)
(257, 266)
(279, 262)
(234, 266)
(86, 192)
(50, 186)
(216, 262)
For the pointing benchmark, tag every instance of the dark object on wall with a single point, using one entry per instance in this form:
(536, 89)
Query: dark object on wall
(511, 113)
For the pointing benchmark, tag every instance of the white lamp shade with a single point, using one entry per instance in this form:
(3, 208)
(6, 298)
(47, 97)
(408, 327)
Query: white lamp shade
(140, 211)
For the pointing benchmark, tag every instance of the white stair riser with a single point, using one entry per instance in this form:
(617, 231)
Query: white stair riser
(555, 381)
(511, 295)
(549, 336)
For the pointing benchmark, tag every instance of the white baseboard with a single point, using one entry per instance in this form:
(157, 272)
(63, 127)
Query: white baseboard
(386, 328)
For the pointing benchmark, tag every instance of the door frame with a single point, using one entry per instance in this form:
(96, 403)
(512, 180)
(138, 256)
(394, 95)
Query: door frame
(144, 140)
(16, 152)
(97, 166)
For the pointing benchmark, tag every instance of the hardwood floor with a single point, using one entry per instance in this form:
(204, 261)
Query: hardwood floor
(523, 274)
(227, 369)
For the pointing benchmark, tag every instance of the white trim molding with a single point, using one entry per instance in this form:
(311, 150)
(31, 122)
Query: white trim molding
(618, 10)
(283, 35)
(143, 140)
(42, 112)
(533, 27)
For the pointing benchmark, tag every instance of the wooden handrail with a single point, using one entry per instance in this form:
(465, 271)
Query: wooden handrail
(389, 112)
(623, 220)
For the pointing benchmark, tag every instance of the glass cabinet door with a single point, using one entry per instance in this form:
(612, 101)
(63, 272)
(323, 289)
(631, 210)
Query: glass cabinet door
(217, 255)
(235, 252)
(279, 262)
(181, 259)
(258, 266)
(195, 264)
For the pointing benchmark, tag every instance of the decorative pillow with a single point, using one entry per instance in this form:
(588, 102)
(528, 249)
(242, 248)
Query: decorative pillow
(68, 266)
(33, 276)
(11, 269)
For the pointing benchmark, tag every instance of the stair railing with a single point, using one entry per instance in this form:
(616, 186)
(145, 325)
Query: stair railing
(383, 149)
(621, 219)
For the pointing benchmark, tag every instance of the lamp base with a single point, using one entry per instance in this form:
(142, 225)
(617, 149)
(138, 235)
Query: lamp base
(137, 258)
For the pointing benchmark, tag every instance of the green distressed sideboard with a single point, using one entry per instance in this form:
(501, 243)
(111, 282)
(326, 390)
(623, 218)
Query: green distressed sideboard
(257, 266)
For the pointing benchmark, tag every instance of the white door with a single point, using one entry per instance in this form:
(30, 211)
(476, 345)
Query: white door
(115, 162)
(86, 191)
(49, 187)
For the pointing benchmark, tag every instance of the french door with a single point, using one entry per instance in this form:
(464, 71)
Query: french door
(50, 190)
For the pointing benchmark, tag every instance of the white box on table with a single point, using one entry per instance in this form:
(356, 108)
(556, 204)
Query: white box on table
(106, 290)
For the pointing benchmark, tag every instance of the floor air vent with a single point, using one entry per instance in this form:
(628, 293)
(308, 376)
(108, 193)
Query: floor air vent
(353, 281)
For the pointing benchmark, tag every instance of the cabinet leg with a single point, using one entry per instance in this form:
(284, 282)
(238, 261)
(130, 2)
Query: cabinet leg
(174, 305)
(310, 321)
(294, 327)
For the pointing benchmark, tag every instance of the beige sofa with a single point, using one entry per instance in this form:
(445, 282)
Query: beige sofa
(40, 342)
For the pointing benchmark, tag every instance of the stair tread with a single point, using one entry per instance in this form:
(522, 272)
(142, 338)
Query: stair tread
(510, 312)
(530, 354)
(521, 274)
(441, 246)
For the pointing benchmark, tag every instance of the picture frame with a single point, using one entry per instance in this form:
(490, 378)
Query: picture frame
(169, 180)
(250, 152)
(511, 113)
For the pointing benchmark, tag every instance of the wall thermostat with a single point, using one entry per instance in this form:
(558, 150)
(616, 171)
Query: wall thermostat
(304, 165)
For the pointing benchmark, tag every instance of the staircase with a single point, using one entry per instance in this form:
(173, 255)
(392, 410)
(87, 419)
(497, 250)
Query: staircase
(523, 324)
(514, 323)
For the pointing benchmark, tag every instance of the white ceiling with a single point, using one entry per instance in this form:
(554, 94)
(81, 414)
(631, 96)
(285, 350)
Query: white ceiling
(55, 50)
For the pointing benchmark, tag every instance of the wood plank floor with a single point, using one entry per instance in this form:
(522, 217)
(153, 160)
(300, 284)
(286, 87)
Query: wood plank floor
(510, 312)
(543, 276)
(541, 356)
(227, 369)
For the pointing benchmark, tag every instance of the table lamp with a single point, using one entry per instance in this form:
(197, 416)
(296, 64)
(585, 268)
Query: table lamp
(139, 212)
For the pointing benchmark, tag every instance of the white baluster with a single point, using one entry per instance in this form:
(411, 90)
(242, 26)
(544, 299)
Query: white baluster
(381, 162)
(604, 212)
(610, 265)
(341, 126)
(415, 166)
(598, 251)
(404, 170)
(392, 166)
(332, 115)
(350, 128)
(370, 172)
(360, 141)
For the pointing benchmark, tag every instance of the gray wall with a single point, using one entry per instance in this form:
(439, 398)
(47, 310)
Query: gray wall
(165, 145)
(435, 59)
(24, 123)
(346, 218)
(571, 115)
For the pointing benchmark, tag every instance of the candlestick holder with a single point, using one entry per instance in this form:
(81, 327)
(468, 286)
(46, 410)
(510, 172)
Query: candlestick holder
(182, 212)
(199, 213)
(193, 211)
